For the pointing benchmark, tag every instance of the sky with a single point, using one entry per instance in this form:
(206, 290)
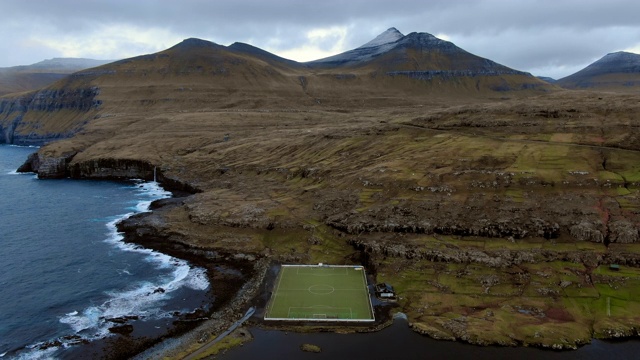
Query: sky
(552, 38)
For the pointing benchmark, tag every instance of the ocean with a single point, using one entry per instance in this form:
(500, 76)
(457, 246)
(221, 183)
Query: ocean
(67, 277)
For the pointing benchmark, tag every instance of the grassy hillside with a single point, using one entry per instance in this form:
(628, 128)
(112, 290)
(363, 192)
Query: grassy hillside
(494, 209)
(494, 220)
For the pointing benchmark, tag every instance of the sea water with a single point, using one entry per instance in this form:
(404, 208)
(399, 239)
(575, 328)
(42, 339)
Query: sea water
(65, 269)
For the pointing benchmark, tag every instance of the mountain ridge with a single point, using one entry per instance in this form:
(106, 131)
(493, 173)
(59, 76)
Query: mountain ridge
(391, 51)
(197, 74)
(23, 78)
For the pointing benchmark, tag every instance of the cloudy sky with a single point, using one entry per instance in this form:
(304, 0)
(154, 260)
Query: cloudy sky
(545, 37)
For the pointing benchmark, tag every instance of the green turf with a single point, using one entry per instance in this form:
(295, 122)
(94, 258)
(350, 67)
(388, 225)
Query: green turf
(320, 293)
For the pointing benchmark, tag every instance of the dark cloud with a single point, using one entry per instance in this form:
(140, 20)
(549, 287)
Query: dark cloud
(524, 34)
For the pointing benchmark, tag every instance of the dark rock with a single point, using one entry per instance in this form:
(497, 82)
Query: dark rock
(122, 319)
(52, 168)
(31, 164)
(121, 329)
(121, 169)
(50, 344)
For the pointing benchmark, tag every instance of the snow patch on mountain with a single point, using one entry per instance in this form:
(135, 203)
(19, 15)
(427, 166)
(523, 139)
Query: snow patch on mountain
(390, 36)
(621, 57)
(381, 44)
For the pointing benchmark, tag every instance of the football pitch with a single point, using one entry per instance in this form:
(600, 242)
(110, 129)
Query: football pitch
(320, 293)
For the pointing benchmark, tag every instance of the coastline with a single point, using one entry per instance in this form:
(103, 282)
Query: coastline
(196, 330)
(131, 336)
(229, 293)
(126, 284)
(145, 229)
(121, 333)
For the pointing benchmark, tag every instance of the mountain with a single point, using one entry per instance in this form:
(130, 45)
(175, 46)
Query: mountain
(65, 65)
(393, 51)
(381, 44)
(199, 75)
(430, 60)
(262, 54)
(193, 75)
(38, 75)
(619, 71)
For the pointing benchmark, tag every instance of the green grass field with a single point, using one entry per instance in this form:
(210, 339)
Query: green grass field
(320, 293)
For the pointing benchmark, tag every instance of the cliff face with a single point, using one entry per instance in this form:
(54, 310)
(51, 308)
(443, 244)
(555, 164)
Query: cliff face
(57, 167)
(20, 116)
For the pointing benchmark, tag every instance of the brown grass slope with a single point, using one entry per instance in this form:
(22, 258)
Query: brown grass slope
(495, 220)
(17, 81)
(198, 74)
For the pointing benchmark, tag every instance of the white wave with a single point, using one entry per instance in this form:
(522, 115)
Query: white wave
(124, 271)
(197, 280)
(15, 172)
(89, 319)
(24, 146)
(143, 299)
(37, 354)
(141, 302)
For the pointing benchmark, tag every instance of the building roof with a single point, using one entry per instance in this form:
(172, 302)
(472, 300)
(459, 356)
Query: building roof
(384, 287)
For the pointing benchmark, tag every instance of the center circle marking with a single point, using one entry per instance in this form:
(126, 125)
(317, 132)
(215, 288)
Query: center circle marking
(321, 289)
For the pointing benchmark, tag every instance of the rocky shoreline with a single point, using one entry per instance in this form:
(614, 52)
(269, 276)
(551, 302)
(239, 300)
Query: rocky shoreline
(145, 229)
(234, 280)
(240, 276)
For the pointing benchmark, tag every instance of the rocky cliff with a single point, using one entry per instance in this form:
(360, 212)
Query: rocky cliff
(56, 167)
(28, 119)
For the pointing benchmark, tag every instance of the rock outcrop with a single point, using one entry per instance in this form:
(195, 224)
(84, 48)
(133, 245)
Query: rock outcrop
(47, 167)
(116, 169)
(56, 167)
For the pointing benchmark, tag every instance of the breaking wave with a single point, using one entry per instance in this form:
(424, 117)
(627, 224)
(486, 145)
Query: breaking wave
(141, 301)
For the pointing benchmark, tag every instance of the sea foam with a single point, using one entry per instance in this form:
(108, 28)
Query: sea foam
(143, 299)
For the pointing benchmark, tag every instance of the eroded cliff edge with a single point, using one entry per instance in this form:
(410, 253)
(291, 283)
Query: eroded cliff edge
(67, 110)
